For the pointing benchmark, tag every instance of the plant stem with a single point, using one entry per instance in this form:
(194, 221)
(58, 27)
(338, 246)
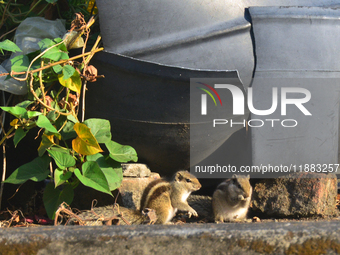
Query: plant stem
(4, 167)
(86, 61)
(66, 99)
(43, 9)
(51, 169)
(42, 86)
(36, 4)
(48, 66)
(8, 32)
(62, 126)
(41, 102)
(83, 102)
(6, 135)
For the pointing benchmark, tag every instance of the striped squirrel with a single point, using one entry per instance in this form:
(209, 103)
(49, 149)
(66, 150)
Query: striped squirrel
(167, 197)
(160, 201)
(231, 199)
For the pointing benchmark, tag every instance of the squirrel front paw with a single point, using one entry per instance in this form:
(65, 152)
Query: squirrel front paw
(193, 212)
(240, 198)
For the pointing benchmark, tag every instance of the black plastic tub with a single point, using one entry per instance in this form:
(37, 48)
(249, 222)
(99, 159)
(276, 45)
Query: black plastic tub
(148, 105)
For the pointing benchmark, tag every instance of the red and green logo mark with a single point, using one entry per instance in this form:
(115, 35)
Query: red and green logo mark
(209, 93)
(204, 97)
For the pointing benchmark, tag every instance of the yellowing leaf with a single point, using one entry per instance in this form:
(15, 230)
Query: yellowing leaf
(14, 123)
(73, 82)
(46, 142)
(85, 143)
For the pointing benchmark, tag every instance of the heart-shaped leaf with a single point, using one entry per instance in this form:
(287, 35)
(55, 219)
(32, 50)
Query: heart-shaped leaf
(85, 143)
(73, 82)
(63, 160)
(60, 177)
(52, 198)
(111, 169)
(9, 46)
(68, 71)
(56, 53)
(44, 122)
(37, 170)
(121, 153)
(100, 129)
(17, 111)
(20, 63)
(32, 114)
(93, 177)
(19, 134)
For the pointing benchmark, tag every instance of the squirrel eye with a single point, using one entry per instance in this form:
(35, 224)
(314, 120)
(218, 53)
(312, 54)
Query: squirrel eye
(188, 180)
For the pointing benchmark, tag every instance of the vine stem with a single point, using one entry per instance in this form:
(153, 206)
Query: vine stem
(8, 32)
(4, 167)
(41, 68)
(48, 66)
(42, 88)
(6, 135)
(86, 61)
(83, 102)
(41, 102)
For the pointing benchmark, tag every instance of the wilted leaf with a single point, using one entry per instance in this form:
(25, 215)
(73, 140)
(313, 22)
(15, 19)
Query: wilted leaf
(85, 143)
(93, 177)
(46, 142)
(121, 153)
(15, 123)
(36, 170)
(91, 73)
(52, 198)
(73, 99)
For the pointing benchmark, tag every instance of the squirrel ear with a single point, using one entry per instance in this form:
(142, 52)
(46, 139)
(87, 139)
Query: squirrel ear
(234, 176)
(248, 176)
(178, 176)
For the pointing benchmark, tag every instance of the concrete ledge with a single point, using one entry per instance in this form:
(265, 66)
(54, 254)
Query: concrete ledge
(234, 238)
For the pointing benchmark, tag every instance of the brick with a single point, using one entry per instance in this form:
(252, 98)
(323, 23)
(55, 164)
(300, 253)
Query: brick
(132, 188)
(135, 170)
(297, 195)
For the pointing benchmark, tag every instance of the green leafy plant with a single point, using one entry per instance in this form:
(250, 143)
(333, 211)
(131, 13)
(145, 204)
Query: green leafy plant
(70, 151)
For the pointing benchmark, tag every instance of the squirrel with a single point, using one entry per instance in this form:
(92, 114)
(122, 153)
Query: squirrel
(167, 197)
(160, 201)
(231, 199)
